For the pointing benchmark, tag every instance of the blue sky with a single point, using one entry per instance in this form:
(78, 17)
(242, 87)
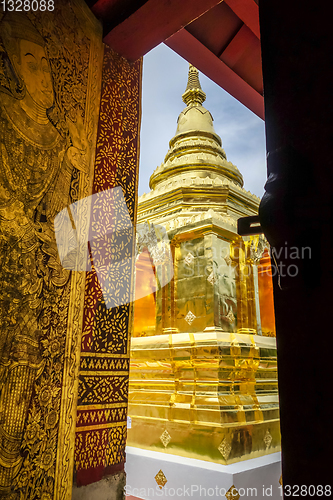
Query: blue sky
(241, 131)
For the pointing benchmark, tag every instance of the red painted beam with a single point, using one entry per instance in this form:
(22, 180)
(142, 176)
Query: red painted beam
(152, 23)
(114, 12)
(243, 56)
(103, 7)
(187, 46)
(237, 46)
(248, 12)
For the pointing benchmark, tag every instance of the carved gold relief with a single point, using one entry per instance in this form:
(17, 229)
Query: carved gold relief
(165, 438)
(212, 278)
(190, 317)
(227, 260)
(160, 479)
(268, 439)
(50, 70)
(225, 448)
(189, 259)
(232, 493)
(230, 317)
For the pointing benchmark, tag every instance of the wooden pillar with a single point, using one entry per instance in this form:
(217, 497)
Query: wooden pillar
(296, 214)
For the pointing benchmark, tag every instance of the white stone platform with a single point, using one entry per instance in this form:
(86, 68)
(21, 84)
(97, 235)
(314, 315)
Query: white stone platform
(196, 479)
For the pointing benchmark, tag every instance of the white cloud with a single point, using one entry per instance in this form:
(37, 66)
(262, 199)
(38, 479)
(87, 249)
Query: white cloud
(242, 132)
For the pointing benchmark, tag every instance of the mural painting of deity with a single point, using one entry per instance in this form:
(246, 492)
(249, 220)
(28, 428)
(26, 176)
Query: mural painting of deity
(45, 160)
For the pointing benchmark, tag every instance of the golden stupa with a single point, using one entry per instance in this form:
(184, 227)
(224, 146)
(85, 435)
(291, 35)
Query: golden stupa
(203, 376)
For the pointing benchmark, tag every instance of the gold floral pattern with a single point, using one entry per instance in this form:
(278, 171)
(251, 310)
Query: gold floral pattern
(100, 447)
(103, 386)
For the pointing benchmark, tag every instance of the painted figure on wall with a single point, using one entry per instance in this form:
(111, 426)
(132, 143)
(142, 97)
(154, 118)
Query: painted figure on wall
(37, 165)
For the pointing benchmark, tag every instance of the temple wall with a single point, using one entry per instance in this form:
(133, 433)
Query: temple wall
(55, 121)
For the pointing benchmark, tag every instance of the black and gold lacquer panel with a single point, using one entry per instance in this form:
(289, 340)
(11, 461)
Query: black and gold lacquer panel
(105, 349)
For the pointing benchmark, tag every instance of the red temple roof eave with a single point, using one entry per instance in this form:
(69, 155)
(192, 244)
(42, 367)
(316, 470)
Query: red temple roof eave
(150, 24)
(188, 47)
(236, 66)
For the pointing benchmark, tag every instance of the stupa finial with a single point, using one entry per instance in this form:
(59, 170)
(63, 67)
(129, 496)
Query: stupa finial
(193, 94)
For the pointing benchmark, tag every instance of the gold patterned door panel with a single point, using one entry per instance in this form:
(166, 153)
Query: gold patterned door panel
(50, 77)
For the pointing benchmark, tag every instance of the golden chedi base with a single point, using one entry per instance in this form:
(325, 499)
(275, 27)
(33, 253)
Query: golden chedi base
(211, 395)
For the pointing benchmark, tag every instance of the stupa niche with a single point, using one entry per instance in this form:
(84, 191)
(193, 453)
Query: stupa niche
(203, 380)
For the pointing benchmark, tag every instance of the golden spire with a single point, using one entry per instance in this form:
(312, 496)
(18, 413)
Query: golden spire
(193, 95)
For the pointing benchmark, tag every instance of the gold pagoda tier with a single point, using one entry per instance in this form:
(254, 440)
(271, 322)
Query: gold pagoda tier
(203, 377)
